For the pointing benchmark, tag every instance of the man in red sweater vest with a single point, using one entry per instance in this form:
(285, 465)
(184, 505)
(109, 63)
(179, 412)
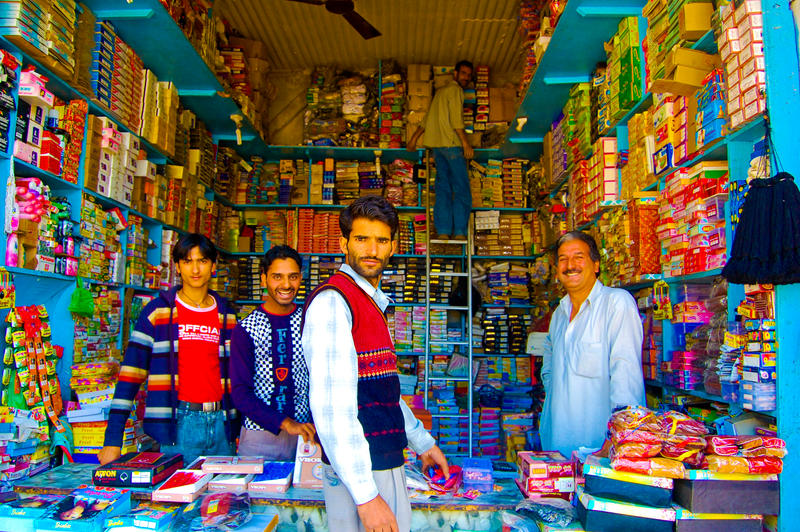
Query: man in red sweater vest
(354, 391)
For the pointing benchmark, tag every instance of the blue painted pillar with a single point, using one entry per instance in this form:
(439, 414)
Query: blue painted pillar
(783, 104)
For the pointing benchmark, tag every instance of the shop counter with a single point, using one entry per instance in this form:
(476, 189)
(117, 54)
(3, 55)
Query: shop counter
(446, 512)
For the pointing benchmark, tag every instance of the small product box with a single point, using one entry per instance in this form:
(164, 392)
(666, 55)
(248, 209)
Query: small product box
(276, 478)
(233, 464)
(85, 509)
(185, 485)
(137, 469)
(545, 472)
(308, 465)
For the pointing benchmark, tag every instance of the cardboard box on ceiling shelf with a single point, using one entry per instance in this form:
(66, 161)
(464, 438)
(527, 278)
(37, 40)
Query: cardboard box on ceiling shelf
(502, 104)
(695, 20)
(419, 72)
(696, 59)
(252, 49)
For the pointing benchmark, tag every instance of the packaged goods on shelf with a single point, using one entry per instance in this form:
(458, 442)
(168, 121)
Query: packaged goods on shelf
(577, 124)
(400, 188)
(558, 150)
(347, 182)
(692, 220)
(225, 280)
(515, 184)
(46, 31)
(96, 337)
(741, 47)
(638, 172)
(249, 284)
(623, 72)
(100, 250)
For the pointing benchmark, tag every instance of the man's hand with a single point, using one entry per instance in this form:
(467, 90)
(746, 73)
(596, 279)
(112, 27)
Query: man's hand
(109, 453)
(377, 516)
(435, 456)
(469, 153)
(306, 430)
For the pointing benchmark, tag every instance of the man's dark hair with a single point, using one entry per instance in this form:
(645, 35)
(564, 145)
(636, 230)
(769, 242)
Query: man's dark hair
(194, 240)
(594, 253)
(464, 63)
(370, 207)
(280, 252)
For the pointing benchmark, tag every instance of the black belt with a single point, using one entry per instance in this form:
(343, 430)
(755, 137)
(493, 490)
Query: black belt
(201, 407)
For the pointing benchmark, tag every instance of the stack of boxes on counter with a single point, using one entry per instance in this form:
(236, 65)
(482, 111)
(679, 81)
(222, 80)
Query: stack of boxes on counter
(741, 48)
(667, 473)
(692, 219)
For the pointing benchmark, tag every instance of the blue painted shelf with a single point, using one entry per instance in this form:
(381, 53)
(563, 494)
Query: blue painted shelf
(37, 273)
(23, 169)
(504, 257)
(574, 50)
(701, 394)
(706, 43)
(147, 27)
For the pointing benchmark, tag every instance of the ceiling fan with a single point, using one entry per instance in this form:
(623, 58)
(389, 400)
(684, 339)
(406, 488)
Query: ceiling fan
(347, 9)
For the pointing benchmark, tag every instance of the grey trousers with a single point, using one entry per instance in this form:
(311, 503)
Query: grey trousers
(341, 508)
(264, 443)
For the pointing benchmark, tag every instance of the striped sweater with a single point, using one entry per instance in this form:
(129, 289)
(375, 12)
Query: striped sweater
(152, 356)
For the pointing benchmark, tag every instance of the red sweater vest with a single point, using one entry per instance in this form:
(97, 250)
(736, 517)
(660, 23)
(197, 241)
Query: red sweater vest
(378, 385)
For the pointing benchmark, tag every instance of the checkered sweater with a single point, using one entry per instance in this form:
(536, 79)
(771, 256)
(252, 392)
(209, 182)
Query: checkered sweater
(378, 384)
(152, 356)
(269, 377)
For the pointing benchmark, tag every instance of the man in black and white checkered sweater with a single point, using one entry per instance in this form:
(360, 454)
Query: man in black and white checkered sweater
(269, 377)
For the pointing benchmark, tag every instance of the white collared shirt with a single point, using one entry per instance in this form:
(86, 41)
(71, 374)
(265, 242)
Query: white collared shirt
(591, 365)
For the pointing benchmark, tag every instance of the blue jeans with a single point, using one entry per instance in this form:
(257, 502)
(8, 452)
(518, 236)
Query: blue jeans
(453, 195)
(199, 434)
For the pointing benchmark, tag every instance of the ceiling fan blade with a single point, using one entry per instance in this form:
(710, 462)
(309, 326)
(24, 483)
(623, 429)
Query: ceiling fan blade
(313, 2)
(367, 30)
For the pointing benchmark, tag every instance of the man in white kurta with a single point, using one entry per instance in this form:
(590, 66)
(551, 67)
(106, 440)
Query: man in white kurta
(592, 357)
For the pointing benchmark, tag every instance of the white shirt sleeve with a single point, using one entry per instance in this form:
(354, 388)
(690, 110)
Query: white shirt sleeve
(625, 354)
(333, 392)
(419, 439)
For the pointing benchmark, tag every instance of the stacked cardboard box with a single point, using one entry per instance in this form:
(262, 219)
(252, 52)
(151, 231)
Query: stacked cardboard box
(741, 47)
(481, 97)
(638, 172)
(392, 128)
(514, 185)
(35, 104)
(711, 119)
(420, 91)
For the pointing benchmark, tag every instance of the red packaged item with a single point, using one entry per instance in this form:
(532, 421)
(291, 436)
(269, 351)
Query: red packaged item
(677, 423)
(619, 437)
(637, 450)
(722, 445)
(687, 449)
(654, 467)
(634, 418)
(764, 465)
(727, 464)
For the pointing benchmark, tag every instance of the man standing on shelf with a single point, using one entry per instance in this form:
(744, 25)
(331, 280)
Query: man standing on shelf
(180, 346)
(443, 130)
(269, 378)
(593, 352)
(354, 392)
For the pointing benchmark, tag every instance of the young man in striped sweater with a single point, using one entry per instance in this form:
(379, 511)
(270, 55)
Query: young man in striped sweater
(354, 391)
(181, 347)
